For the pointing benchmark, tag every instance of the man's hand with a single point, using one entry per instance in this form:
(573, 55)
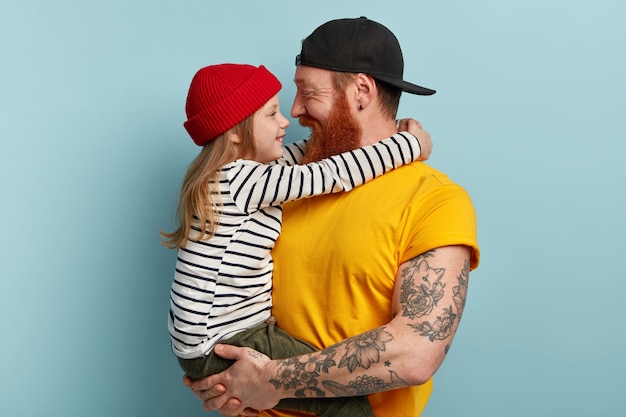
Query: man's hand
(240, 389)
(415, 128)
(213, 399)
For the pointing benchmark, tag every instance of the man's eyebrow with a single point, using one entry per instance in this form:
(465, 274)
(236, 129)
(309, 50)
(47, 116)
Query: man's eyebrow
(301, 80)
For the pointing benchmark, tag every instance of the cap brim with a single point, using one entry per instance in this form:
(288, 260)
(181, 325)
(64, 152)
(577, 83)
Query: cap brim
(406, 86)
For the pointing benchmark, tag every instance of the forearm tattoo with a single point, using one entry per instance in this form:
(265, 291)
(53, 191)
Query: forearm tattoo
(364, 385)
(302, 374)
(421, 292)
(364, 350)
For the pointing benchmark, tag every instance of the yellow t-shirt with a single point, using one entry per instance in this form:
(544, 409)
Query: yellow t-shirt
(336, 260)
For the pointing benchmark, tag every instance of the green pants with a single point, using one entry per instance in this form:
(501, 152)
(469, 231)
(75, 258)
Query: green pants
(277, 344)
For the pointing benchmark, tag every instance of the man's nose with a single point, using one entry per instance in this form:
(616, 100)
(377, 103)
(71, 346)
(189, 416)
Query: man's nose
(297, 108)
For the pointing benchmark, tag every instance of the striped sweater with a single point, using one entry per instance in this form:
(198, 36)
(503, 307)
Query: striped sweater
(223, 285)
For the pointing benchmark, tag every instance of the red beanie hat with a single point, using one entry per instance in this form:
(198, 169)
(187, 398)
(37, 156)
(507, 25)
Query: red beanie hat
(221, 96)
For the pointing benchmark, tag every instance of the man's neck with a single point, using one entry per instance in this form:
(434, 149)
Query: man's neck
(376, 128)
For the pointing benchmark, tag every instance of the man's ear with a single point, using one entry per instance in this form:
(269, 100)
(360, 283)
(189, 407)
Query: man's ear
(365, 89)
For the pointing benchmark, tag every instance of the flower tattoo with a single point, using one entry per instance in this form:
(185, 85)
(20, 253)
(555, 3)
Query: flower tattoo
(364, 350)
(440, 329)
(302, 374)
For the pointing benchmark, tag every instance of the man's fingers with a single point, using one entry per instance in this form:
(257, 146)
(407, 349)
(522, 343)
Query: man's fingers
(236, 353)
(232, 407)
(251, 412)
(207, 389)
(407, 124)
(228, 351)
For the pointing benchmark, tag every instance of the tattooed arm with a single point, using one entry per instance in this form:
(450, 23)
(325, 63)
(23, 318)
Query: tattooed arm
(429, 296)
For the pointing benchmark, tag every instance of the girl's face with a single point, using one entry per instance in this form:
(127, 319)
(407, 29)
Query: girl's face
(269, 130)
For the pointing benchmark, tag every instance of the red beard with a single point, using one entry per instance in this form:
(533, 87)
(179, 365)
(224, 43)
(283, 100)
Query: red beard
(340, 133)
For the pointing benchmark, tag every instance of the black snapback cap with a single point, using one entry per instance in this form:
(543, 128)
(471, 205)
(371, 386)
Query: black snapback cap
(358, 45)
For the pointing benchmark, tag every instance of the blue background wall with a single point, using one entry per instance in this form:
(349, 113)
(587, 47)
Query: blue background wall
(529, 117)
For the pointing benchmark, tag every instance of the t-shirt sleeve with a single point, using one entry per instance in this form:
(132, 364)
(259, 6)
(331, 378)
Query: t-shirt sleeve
(444, 217)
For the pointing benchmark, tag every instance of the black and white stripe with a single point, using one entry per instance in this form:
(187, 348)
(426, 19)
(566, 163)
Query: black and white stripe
(223, 285)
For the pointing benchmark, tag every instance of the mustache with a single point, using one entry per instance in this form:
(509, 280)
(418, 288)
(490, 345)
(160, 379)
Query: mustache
(308, 121)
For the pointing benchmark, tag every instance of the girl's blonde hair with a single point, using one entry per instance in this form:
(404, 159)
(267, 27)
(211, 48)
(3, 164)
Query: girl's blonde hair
(197, 205)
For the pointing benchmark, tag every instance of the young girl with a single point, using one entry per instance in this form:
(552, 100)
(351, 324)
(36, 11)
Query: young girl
(230, 217)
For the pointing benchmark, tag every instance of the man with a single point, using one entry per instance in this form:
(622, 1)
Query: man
(377, 277)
